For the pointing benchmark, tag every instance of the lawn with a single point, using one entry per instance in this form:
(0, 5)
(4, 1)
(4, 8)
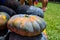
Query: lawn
(52, 18)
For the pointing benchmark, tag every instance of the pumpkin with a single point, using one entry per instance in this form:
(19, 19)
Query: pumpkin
(35, 11)
(14, 36)
(13, 4)
(30, 10)
(9, 11)
(43, 37)
(26, 25)
(4, 17)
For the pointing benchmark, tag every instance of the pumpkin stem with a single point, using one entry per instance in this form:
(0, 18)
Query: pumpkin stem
(26, 15)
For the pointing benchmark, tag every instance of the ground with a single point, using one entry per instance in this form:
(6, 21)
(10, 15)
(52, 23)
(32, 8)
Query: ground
(52, 18)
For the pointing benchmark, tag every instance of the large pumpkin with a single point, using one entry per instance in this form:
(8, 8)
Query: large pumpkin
(31, 10)
(26, 25)
(4, 17)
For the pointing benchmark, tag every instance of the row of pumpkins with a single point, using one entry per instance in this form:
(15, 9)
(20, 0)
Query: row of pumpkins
(23, 23)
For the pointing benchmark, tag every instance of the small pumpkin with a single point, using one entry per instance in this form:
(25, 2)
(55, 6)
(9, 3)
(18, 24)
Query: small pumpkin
(4, 17)
(26, 25)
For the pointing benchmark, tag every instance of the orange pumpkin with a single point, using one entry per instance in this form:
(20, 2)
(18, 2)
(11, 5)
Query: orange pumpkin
(3, 20)
(26, 25)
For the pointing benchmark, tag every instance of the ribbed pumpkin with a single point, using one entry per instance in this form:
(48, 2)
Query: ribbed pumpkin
(30, 10)
(26, 25)
(35, 11)
(4, 17)
(14, 36)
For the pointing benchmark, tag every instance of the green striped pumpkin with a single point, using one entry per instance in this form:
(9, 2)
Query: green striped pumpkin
(26, 25)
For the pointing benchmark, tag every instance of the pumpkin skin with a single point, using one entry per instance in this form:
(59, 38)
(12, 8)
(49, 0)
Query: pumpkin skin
(9, 11)
(30, 10)
(4, 17)
(26, 25)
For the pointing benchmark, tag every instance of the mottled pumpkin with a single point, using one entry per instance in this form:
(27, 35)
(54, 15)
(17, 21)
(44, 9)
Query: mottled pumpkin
(26, 25)
(4, 17)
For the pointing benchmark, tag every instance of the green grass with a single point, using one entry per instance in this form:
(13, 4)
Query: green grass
(52, 18)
